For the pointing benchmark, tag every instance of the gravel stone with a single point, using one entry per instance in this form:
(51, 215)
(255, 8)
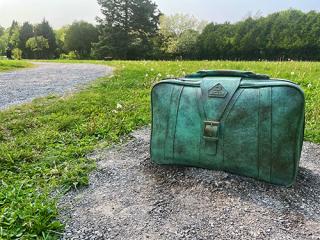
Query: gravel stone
(129, 197)
(23, 85)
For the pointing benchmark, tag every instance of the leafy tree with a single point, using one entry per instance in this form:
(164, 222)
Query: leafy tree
(216, 41)
(26, 32)
(79, 38)
(60, 38)
(246, 39)
(61, 33)
(175, 25)
(44, 29)
(3, 46)
(127, 28)
(2, 41)
(187, 44)
(180, 33)
(1, 30)
(289, 34)
(39, 45)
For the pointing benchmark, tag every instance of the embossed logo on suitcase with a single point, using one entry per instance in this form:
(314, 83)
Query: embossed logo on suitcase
(218, 91)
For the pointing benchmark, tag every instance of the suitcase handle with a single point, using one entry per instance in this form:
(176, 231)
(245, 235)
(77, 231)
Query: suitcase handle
(227, 73)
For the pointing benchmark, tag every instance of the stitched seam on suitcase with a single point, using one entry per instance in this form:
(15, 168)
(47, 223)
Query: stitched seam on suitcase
(167, 129)
(225, 115)
(170, 131)
(271, 130)
(264, 140)
(203, 117)
(259, 132)
(175, 123)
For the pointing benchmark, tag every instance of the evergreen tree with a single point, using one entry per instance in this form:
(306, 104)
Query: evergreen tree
(127, 28)
(45, 30)
(13, 35)
(26, 32)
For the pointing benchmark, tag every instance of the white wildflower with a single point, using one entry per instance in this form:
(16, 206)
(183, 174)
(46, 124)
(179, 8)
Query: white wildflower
(119, 106)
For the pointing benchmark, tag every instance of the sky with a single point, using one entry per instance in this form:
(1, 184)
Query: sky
(62, 12)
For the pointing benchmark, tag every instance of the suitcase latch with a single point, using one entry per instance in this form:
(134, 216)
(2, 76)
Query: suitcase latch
(211, 130)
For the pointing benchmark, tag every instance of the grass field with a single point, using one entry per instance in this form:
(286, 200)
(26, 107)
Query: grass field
(43, 145)
(6, 65)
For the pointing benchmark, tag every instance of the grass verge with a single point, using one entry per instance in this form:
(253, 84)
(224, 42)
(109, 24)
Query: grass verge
(43, 145)
(8, 65)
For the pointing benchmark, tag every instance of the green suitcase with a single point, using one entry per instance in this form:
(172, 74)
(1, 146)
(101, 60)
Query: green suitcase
(235, 121)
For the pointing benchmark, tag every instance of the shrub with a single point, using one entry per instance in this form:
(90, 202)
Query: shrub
(17, 54)
(70, 56)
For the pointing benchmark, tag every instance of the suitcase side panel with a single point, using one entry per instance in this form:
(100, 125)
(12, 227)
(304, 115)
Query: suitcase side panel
(263, 134)
(161, 100)
(287, 129)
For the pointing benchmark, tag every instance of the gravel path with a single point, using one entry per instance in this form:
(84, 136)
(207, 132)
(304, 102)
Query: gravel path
(46, 78)
(131, 198)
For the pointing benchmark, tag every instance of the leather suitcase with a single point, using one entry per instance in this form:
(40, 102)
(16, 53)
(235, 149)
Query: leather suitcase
(235, 121)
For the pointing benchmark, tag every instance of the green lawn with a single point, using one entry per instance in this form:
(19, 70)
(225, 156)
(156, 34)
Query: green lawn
(43, 145)
(7, 65)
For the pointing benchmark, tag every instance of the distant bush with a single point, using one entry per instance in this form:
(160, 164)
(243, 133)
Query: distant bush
(17, 53)
(70, 56)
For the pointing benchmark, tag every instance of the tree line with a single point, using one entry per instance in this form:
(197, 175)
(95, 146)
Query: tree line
(41, 41)
(136, 29)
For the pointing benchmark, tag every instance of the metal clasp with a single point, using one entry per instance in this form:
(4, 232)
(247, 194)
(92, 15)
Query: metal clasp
(211, 130)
